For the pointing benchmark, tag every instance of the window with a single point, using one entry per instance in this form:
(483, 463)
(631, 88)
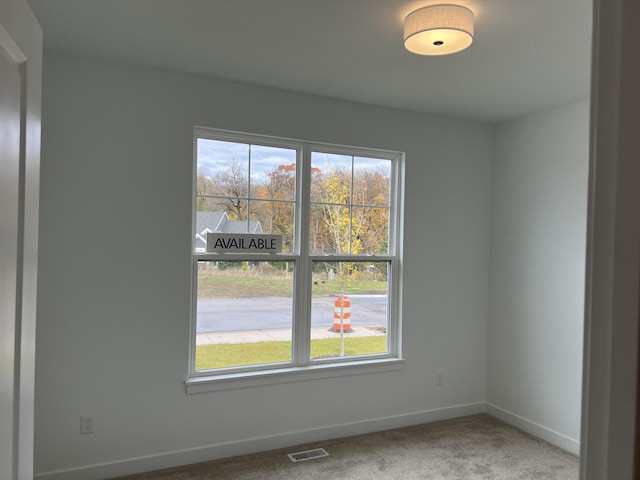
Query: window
(329, 297)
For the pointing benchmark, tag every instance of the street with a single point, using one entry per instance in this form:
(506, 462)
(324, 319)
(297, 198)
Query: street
(223, 315)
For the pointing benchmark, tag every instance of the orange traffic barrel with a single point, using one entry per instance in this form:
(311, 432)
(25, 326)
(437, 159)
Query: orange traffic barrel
(342, 310)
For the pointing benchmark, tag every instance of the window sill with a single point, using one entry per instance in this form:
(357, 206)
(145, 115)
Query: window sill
(213, 383)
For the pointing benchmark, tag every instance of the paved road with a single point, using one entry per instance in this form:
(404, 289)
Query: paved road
(223, 315)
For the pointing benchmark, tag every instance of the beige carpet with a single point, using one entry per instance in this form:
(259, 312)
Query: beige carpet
(468, 448)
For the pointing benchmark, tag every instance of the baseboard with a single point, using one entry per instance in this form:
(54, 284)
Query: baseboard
(558, 439)
(222, 450)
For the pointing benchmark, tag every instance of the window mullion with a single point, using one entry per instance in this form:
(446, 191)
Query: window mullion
(302, 287)
(353, 161)
(248, 221)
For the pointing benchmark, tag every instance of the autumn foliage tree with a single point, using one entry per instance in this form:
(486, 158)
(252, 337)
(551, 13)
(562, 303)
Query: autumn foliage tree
(276, 214)
(349, 212)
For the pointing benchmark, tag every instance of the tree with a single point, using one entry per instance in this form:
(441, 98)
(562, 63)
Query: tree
(371, 192)
(281, 185)
(342, 229)
(233, 186)
(226, 190)
(274, 202)
(204, 186)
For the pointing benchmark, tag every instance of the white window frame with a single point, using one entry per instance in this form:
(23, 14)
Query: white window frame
(301, 367)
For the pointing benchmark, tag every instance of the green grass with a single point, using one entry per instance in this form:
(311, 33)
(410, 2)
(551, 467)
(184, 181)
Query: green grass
(239, 354)
(244, 286)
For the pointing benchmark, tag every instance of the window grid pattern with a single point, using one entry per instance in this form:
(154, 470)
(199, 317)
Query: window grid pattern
(310, 268)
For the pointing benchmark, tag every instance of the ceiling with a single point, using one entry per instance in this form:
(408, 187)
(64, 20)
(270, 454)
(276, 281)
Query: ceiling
(527, 55)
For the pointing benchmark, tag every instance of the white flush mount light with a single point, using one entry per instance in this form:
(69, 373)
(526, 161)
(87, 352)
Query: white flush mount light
(438, 30)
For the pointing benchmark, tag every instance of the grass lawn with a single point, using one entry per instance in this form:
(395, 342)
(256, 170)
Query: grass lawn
(239, 286)
(239, 354)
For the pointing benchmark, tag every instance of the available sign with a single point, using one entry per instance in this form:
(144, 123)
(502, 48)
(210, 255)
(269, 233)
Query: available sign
(243, 242)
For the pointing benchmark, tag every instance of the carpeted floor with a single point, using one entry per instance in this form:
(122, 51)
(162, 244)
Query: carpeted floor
(468, 448)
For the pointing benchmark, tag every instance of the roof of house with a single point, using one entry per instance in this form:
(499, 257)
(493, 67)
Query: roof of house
(219, 222)
(209, 220)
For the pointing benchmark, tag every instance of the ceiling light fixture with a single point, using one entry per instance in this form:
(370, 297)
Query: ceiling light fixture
(438, 30)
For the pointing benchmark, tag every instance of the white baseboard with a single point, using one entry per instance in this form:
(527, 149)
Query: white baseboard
(558, 439)
(130, 466)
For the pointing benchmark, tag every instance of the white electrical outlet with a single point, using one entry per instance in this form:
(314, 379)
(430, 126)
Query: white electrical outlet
(439, 380)
(87, 424)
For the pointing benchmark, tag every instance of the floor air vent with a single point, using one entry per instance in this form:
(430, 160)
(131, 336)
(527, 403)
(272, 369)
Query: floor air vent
(308, 455)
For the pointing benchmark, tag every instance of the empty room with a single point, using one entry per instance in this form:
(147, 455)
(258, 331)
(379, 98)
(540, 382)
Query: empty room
(266, 224)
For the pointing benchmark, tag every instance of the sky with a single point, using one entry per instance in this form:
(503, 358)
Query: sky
(214, 156)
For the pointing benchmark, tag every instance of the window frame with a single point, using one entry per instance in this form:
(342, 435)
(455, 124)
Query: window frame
(302, 367)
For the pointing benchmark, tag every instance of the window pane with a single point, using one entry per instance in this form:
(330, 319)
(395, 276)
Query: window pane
(371, 230)
(331, 178)
(349, 309)
(275, 218)
(222, 219)
(273, 173)
(222, 168)
(371, 181)
(339, 230)
(331, 230)
(230, 175)
(244, 314)
(233, 209)
(345, 189)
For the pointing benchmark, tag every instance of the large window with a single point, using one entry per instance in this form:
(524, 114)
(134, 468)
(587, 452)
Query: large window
(329, 296)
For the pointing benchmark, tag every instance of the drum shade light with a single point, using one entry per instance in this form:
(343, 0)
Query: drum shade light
(438, 30)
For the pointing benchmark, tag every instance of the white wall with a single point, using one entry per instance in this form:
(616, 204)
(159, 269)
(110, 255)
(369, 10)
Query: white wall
(115, 259)
(535, 329)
